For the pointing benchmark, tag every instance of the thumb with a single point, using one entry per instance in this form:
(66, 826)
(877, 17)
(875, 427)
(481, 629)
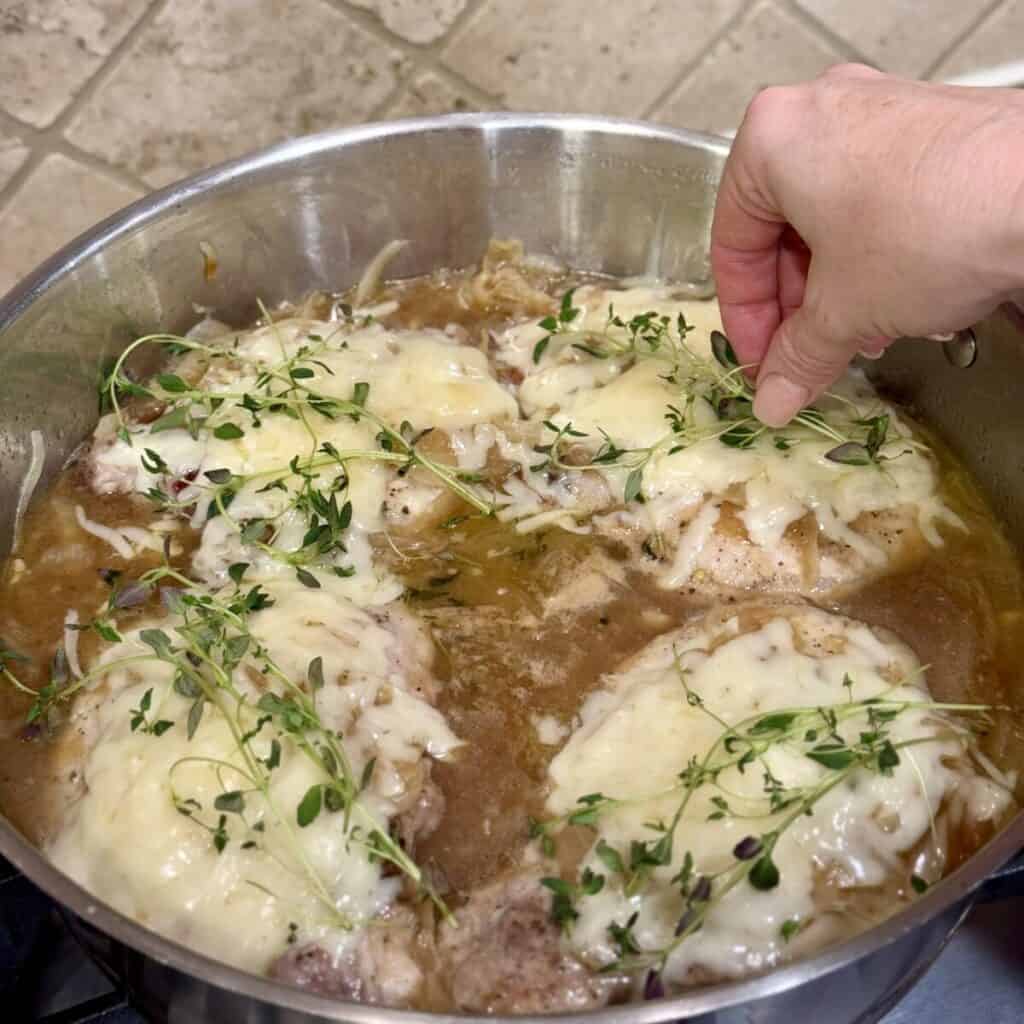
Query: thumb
(805, 356)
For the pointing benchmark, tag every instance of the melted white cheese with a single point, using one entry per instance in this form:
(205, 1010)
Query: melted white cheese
(639, 732)
(550, 731)
(774, 487)
(563, 371)
(429, 379)
(126, 541)
(125, 841)
(423, 377)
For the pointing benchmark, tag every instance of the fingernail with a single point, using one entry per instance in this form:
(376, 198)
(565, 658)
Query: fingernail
(778, 400)
(874, 348)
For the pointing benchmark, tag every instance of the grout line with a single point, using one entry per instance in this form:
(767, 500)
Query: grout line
(481, 97)
(28, 165)
(420, 56)
(13, 126)
(379, 111)
(691, 66)
(44, 141)
(373, 24)
(100, 165)
(35, 142)
(461, 20)
(842, 46)
(987, 14)
(461, 24)
(36, 155)
(107, 68)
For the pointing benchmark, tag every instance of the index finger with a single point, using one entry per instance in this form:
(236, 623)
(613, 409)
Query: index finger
(745, 243)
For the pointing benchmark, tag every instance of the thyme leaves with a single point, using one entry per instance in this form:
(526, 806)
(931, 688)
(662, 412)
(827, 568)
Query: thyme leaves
(140, 717)
(8, 657)
(841, 740)
(315, 484)
(211, 656)
(565, 452)
(567, 314)
(718, 386)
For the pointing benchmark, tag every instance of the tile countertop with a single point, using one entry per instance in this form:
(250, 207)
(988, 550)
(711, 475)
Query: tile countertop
(101, 100)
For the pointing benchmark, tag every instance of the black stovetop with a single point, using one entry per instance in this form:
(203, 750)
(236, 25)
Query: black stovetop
(45, 977)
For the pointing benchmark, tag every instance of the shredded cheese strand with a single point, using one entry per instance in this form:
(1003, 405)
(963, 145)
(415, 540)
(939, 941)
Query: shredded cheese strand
(370, 280)
(29, 482)
(107, 534)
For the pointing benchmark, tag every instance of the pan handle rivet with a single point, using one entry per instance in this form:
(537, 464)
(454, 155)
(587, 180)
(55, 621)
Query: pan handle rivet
(962, 349)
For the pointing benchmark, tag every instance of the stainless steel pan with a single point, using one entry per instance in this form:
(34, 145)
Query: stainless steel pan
(603, 195)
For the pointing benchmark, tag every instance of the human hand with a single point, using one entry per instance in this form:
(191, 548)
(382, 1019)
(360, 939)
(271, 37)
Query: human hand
(859, 208)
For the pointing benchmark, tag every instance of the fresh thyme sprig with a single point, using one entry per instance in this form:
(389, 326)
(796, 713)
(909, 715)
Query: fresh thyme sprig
(208, 649)
(721, 385)
(284, 389)
(813, 731)
(646, 334)
(565, 445)
(7, 657)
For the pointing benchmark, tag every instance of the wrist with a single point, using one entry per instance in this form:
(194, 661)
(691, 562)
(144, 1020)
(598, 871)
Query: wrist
(1001, 148)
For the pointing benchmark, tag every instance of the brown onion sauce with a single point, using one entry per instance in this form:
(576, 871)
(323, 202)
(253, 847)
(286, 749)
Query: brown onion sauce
(502, 659)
